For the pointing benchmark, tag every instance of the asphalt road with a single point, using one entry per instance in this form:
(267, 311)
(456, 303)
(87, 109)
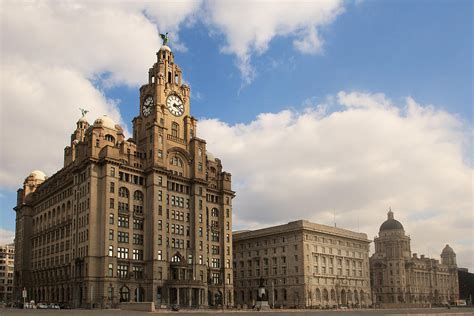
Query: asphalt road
(377, 312)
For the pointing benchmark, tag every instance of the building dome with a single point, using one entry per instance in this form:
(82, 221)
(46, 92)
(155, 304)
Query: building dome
(447, 250)
(37, 175)
(165, 47)
(105, 121)
(390, 223)
(210, 156)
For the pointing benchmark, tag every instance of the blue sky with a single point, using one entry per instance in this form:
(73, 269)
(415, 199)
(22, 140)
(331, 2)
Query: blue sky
(404, 48)
(385, 51)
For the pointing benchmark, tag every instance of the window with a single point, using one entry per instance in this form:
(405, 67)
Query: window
(160, 255)
(137, 239)
(122, 237)
(111, 234)
(111, 218)
(137, 254)
(111, 251)
(122, 253)
(112, 203)
(112, 187)
(175, 129)
(123, 192)
(138, 223)
(112, 172)
(138, 196)
(123, 221)
(122, 271)
(110, 271)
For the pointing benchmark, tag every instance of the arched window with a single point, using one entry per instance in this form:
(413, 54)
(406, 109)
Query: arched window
(123, 192)
(109, 138)
(175, 129)
(138, 195)
(215, 212)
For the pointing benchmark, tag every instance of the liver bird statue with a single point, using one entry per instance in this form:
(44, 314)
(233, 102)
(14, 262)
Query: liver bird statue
(165, 38)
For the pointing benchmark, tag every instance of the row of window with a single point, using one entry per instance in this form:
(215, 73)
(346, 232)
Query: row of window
(122, 253)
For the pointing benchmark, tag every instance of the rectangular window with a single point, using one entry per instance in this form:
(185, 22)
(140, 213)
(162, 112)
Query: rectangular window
(111, 251)
(122, 271)
(112, 203)
(112, 187)
(112, 172)
(111, 234)
(138, 223)
(122, 253)
(111, 218)
(123, 221)
(160, 255)
(122, 237)
(137, 239)
(137, 254)
(110, 271)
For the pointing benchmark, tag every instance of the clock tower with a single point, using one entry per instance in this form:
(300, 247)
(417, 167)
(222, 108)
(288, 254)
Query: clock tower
(164, 121)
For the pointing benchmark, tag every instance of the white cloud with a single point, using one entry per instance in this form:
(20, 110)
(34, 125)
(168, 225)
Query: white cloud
(249, 26)
(358, 161)
(52, 53)
(6, 236)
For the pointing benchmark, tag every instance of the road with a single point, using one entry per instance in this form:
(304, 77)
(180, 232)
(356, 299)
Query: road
(377, 312)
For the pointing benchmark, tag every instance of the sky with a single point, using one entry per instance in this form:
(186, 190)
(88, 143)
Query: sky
(331, 111)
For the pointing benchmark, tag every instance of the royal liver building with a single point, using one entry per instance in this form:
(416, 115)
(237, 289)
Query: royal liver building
(147, 218)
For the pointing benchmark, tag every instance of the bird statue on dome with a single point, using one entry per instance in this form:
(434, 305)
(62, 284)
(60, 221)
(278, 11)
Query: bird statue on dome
(83, 112)
(165, 38)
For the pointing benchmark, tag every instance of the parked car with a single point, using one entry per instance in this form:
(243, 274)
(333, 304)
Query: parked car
(54, 306)
(64, 306)
(343, 306)
(42, 306)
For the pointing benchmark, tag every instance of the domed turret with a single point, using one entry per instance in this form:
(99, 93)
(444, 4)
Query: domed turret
(448, 256)
(105, 121)
(391, 223)
(37, 175)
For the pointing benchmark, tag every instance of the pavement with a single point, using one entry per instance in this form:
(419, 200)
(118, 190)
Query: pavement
(293, 312)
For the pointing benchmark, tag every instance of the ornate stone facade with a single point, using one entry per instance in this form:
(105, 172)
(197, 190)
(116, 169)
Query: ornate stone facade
(147, 218)
(303, 265)
(401, 279)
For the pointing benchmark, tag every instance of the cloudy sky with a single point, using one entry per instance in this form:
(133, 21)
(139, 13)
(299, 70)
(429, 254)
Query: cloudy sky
(316, 108)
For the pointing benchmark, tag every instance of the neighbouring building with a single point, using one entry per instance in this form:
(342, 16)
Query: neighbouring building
(401, 279)
(148, 218)
(466, 285)
(303, 265)
(7, 257)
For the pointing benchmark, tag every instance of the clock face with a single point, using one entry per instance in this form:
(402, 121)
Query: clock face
(147, 105)
(175, 105)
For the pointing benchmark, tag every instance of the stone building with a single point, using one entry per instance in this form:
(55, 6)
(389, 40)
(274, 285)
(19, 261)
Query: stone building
(148, 218)
(303, 264)
(401, 279)
(7, 257)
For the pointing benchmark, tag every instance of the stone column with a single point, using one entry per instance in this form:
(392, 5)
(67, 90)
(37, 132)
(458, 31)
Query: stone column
(177, 295)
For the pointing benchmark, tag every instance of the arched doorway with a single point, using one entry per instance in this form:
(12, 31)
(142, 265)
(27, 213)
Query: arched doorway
(343, 297)
(124, 294)
(325, 296)
(218, 298)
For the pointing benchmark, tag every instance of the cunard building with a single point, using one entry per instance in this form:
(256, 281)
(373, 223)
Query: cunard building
(147, 218)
